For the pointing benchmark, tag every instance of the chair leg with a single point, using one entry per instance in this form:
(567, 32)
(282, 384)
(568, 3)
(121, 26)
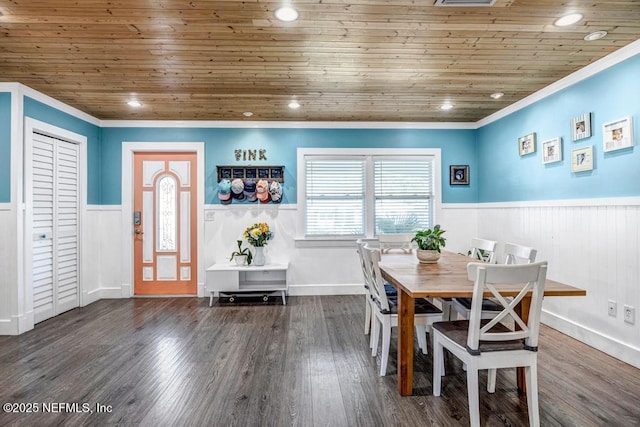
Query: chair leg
(446, 309)
(438, 364)
(491, 380)
(367, 315)
(474, 395)
(531, 378)
(375, 335)
(386, 341)
(421, 332)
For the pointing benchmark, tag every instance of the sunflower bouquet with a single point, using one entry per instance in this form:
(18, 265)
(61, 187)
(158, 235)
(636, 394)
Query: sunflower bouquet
(258, 234)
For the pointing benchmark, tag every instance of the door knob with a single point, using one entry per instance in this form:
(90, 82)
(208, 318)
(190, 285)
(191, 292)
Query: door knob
(138, 231)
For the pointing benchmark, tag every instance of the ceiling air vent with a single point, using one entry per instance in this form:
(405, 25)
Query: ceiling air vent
(468, 3)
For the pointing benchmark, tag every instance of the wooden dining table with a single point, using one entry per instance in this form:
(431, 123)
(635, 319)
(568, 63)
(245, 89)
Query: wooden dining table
(445, 279)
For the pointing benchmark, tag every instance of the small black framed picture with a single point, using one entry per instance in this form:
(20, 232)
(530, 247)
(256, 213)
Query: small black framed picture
(251, 173)
(224, 173)
(459, 175)
(238, 173)
(276, 173)
(263, 173)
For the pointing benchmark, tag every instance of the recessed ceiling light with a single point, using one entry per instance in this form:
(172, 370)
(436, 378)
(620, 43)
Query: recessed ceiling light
(497, 95)
(566, 20)
(247, 114)
(286, 14)
(134, 103)
(294, 105)
(446, 106)
(596, 35)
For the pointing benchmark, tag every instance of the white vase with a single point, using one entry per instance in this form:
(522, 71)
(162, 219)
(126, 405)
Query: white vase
(427, 256)
(258, 256)
(240, 259)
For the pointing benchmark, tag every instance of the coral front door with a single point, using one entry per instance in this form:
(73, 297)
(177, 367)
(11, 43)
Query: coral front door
(164, 224)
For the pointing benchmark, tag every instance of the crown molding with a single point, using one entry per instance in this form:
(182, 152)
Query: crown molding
(9, 87)
(58, 105)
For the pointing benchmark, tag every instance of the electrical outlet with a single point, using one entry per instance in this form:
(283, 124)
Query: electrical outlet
(613, 308)
(629, 314)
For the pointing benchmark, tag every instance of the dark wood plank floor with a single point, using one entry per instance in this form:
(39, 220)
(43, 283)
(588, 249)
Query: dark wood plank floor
(180, 362)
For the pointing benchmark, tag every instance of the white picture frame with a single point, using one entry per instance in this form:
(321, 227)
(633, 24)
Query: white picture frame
(617, 134)
(582, 159)
(527, 144)
(551, 150)
(581, 127)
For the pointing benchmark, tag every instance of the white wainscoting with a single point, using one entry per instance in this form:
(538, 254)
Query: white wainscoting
(8, 278)
(102, 261)
(590, 244)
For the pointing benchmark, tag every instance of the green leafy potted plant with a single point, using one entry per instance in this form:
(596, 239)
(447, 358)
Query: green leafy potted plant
(430, 243)
(242, 255)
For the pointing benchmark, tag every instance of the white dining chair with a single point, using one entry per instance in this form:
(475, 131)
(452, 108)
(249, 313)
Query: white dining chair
(514, 254)
(390, 291)
(482, 250)
(365, 280)
(401, 242)
(518, 254)
(385, 312)
(489, 344)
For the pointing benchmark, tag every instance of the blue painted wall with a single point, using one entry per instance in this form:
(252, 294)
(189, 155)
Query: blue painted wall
(609, 95)
(458, 147)
(5, 147)
(44, 113)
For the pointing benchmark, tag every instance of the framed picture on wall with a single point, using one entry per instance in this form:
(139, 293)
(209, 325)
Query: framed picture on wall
(552, 150)
(582, 159)
(581, 127)
(617, 134)
(459, 175)
(527, 144)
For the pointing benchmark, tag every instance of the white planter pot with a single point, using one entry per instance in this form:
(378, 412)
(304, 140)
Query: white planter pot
(258, 256)
(240, 259)
(427, 256)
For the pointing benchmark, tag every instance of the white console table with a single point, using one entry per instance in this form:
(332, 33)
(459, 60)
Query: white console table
(248, 280)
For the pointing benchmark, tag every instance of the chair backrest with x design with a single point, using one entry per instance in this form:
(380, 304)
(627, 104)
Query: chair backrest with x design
(527, 278)
(376, 282)
(483, 250)
(518, 254)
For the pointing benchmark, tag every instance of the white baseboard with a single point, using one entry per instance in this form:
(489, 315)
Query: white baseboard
(125, 291)
(91, 297)
(115, 292)
(8, 327)
(326, 289)
(614, 348)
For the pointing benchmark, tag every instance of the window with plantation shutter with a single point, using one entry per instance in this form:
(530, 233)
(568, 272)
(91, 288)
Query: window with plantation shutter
(335, 197)
(348, 193)
(403, 194)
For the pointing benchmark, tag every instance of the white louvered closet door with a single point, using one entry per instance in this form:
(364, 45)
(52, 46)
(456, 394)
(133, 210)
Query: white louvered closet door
(55, 177)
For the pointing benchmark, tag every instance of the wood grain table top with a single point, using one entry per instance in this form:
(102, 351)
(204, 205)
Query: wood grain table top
(447, 278)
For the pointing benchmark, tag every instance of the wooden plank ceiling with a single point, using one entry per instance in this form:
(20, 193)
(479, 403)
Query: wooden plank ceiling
(362, 60)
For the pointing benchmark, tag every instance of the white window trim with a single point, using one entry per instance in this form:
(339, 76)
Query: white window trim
(304, 241)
